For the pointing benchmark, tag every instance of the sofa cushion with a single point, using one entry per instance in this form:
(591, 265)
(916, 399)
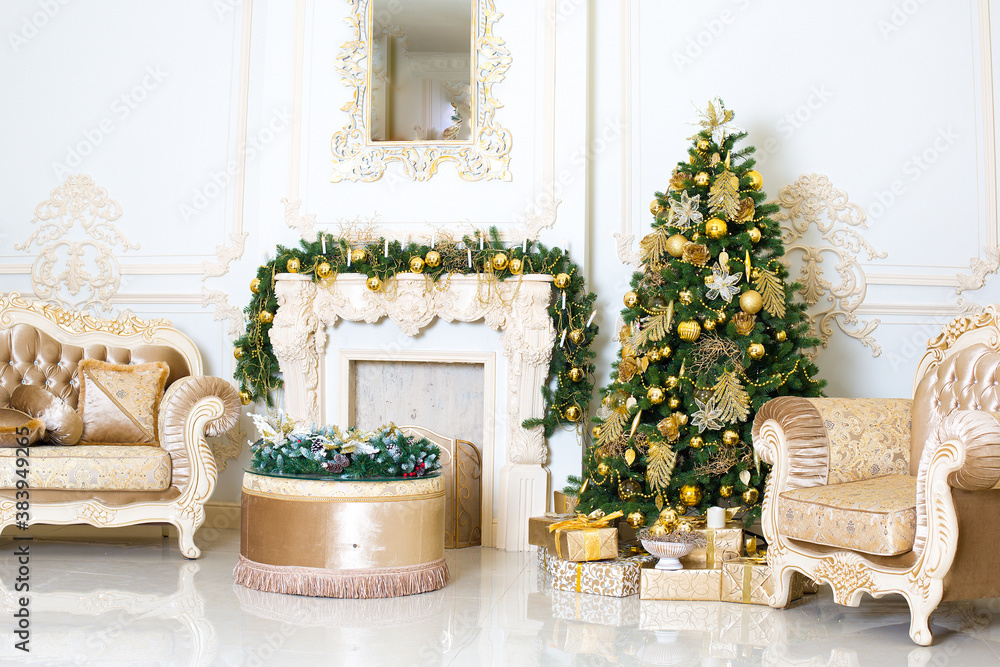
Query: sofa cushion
(63, 425)
(91, 467)
(119, 403)
(19, 429)
(874, 516)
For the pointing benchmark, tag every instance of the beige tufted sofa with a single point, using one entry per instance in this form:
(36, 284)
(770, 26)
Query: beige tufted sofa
(112, 485)
(885, 496)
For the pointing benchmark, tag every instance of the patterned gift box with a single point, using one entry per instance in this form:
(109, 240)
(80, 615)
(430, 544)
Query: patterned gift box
(563, 503)
(613, 578)
(686, 584)
(721, 545)
(573, 544)
(680, 615)
(595, 609)
(748, 580)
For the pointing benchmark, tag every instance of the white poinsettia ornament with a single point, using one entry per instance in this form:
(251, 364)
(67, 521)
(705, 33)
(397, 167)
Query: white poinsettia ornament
(684, 212)
(722, 285)
(708, 416)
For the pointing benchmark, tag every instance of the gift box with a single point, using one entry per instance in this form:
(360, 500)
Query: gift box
(680, 615)
(595, 609)
(749, 581)
(613, 578)
(577, 540)
(721, 544)
(564, 503)
(686, 584)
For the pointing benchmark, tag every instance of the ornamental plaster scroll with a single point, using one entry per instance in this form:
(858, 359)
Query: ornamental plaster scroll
(70, 271)
(813, 201)
(224, 311)
(486, 157)
(225, 255)
(981, 268)
(304, 223)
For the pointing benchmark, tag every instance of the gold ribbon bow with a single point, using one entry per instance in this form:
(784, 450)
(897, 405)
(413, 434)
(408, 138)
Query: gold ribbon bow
(590, 526)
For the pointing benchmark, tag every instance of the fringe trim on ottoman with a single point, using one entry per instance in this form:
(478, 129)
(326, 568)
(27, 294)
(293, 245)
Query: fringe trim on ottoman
(383, 582)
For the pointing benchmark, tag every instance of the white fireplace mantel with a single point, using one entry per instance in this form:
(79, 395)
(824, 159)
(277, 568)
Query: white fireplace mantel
(516, 306)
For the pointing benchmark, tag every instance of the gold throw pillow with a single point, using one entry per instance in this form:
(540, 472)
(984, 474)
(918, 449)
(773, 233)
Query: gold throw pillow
(63, 425)
(119, 403)
(18, 429)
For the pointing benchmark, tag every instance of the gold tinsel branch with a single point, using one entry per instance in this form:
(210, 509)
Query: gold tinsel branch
(731, 398)
(772, 292)
(710, 348)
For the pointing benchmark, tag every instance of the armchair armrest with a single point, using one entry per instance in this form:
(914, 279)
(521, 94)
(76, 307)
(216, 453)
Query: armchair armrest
(978, 433)
(788, 434)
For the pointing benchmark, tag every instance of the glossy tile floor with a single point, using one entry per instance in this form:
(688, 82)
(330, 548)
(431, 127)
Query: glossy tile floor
(131, 599)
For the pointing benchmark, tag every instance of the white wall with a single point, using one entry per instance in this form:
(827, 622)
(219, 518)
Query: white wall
(599, 98)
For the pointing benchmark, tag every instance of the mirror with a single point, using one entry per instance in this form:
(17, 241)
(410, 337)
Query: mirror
(422, 74)
(421, 70)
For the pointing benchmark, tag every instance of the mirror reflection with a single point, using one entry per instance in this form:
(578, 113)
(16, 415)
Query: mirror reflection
(421, 70)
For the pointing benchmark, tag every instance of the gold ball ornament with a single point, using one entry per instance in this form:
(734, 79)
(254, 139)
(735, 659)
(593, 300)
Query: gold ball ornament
(575, 374)
(751, 301)
(683, 526)
(716, 228)
(432, 259)
(628, 488)
(577, 336)
(781, 336)
(756, 350)
(631, 299)
(750, 496)
(708, 325)
(324, 270)
(658, 530)
(562, 281)
(654, 355)
(596, 432)
(697, 442)
(292, 265)
(603, 469)
(721, 319)
(619, 402)
(671, 381)
(246, 398)
(656, 395)
(685, 297)
(636, 519)
(756, 180)
(675, 245)
(665, 351)
(573, 413)
(358, 255)
(255, 285)
(754, 234)
(416, 265)
(238, 352)
(704, 145)
(668, 516)
(701, 179)
(689, 330)
(674, 402)
(726, 490)
(516, 266)
(266, 317)
(656, 208)
(373, 283)
(690, 495)
(730, 437)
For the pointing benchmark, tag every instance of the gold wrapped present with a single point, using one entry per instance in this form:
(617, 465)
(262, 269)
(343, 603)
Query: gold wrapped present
(564, 504)
(748, 580)
(721, 544)
(575, 538)
(686, 584)
(613, 578)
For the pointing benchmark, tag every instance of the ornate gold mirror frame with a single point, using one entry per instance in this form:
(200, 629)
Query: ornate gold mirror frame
(486, 157)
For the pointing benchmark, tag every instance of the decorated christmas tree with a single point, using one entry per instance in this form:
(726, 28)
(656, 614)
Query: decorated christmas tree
(710, 334)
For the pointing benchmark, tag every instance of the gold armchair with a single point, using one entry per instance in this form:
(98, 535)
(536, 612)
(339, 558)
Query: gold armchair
(884, 496)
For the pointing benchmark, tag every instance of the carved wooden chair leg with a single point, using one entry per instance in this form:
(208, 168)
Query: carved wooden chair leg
(186, 528)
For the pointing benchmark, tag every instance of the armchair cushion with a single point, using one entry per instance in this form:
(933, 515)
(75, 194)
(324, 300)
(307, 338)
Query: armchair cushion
(874, 516)
(868, 437)
(90, 467)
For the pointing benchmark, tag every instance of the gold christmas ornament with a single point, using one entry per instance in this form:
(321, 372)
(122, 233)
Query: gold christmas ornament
(238, 352)
(685, 297)
(499, 261)
(675, 245)
(292, 265)
(716, 228)
(575, 374)
(756, 350)
(631, 299)
(669, 429)
(671, 382)
(636, 519)
(655, 395)
(750, 496)
(265, 317)
(689, 330)
(603, 469)
(619, 402)
(416, 265)
(756, 181)
(658, 530)
(683, 526)
(781, 336)
(730, 437)
(701, 179)
(562, 281)
(324, 270)
(668, 516)
(674, 402)
(696, 254)
(744, 323)
(245, 398)
(657, 303)
(704, 145)
(577, 336)
(726, 490)
(374, 284)
(754, 234)
(596, 432)
(697, 442)
(709, 325)
(573, 413)
(654, 355)
(358, 255)
(432, 259)
(665, 351)
(628, 488)
(690, 495)
(656, 208)
(255, 285)
(516, 266)
(721, 319)
(681, 418)
(751, 301)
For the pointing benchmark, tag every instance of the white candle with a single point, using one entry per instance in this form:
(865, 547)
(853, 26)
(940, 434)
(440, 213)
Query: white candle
(524, 246)
(592, 316)
(480, 242)
(562, 339)
(469, 250)
(324, 243)
(387, 246)
(349, 253)
(716, 517)
(564, 300)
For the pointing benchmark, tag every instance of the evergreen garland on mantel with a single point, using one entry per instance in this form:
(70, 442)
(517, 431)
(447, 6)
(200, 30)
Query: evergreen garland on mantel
(257, 368)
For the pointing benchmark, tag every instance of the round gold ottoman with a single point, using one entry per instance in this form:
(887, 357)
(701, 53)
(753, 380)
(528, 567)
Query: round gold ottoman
(343, 539)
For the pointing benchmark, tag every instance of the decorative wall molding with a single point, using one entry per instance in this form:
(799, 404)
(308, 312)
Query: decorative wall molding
(517, 307)
(71, 272)
(981, 268)
(224, 311)
(813, 201)
(225, 255)
(487, 157)
(305, 224)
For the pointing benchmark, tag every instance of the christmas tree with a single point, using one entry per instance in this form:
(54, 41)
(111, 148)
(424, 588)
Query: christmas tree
(710, 334)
